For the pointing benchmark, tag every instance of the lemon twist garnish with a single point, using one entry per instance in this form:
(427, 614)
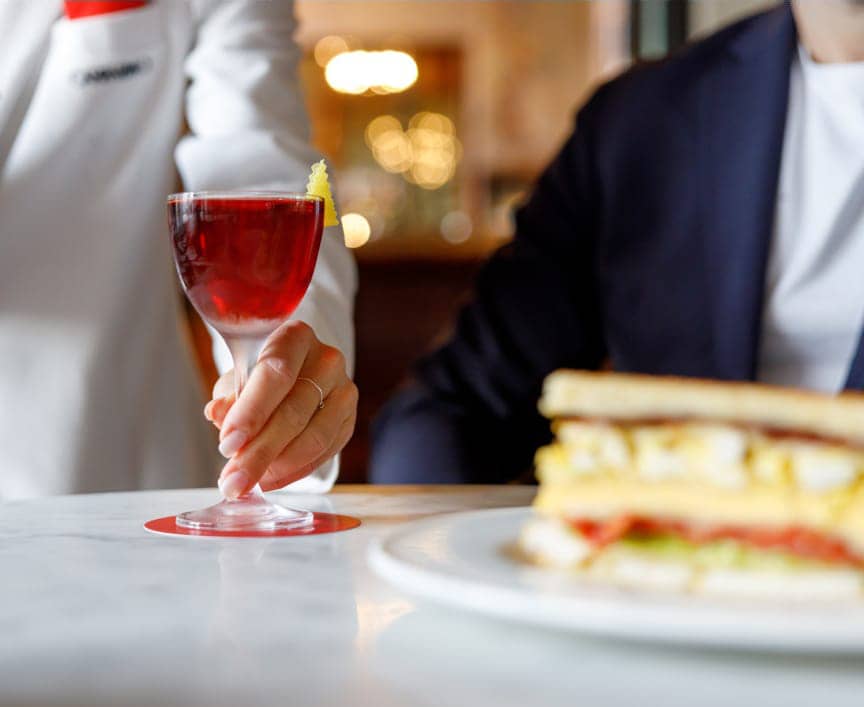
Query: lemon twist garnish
(319, 185)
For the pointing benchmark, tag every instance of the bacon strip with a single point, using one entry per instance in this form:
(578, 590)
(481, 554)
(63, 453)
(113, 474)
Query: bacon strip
(794, 540)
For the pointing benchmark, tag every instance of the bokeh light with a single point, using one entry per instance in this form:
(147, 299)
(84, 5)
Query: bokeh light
(356, 229)
(432, 121)
(426, 154)
(390, 146)
(356, 72)
(328, 47)
(380, 125)
(456, 227)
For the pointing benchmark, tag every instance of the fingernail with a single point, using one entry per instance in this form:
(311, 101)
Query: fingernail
(233, 485)
(208, 410)
(229, 446)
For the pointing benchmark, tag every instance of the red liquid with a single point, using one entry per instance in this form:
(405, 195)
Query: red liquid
(245, 261)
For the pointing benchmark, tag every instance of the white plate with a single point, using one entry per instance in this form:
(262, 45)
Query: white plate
(462, 560)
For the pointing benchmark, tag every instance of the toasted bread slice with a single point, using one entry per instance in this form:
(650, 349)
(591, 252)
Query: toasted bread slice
(634, 398)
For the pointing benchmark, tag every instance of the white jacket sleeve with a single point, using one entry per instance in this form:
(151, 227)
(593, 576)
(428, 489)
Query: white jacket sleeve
(248, 129)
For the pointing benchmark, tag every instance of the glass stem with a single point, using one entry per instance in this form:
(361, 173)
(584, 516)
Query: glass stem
(244, 354)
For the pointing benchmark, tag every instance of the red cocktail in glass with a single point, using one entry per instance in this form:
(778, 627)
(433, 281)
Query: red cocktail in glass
(245, 261)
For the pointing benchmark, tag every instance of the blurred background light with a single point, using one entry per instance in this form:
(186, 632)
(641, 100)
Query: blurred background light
(356, 229)
(456, 227)
(328, 47)
(432, 121)
(426, 154)
(381, 72)
(380, 125)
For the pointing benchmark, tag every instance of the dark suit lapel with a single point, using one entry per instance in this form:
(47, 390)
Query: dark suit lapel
(855, 379)
(743, 116)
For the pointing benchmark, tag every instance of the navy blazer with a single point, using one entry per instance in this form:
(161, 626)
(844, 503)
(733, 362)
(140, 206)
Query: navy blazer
(643, 246)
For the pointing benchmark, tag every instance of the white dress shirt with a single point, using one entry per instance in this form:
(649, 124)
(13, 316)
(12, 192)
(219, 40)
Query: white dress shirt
(814, 301)
(98, 390)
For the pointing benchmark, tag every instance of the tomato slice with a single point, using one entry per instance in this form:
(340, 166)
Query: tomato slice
(793, 540)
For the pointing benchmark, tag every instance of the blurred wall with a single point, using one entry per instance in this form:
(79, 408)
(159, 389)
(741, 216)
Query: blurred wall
(708, 15)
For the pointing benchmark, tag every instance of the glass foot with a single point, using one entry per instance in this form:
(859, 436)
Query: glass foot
(250, 512)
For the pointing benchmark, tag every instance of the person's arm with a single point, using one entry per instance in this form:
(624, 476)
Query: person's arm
(248, 129)
(470, 414)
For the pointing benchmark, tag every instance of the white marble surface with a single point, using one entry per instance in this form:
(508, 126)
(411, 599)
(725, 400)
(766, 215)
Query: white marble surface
(95, 611)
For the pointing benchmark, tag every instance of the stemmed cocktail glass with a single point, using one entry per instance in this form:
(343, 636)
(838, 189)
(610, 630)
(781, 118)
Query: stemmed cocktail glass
(245, 260)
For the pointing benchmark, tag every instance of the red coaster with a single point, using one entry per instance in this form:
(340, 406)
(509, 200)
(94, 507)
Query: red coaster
(321, 523)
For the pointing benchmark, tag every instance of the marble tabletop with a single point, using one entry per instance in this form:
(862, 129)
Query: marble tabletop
(95, 611)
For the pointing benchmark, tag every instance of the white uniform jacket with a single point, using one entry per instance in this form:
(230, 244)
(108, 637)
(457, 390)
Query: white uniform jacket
(98, 390)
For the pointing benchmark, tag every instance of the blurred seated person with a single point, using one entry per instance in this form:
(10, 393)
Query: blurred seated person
(705, 218)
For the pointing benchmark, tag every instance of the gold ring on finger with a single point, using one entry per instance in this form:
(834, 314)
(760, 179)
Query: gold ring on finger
(319, 389)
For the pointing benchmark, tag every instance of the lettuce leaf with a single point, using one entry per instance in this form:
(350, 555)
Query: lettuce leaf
(719, 554)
